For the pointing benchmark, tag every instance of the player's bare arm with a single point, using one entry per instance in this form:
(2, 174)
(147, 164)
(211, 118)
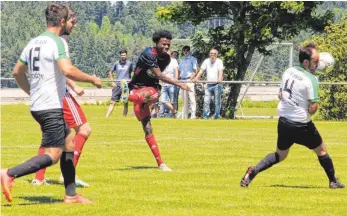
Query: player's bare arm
(312, 108)
(75, 74)
(19, 73)
(111, 78)
(77, 89)
(162, 77)
(280, 94)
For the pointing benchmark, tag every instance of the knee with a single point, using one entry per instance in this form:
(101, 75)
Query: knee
(55, 155)
(84, 129)
(282, 155)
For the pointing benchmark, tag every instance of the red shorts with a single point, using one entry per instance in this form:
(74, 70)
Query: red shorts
(73, 114)
(142, 110)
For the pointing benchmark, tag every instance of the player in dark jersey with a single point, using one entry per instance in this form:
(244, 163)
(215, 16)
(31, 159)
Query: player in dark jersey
(144, 87)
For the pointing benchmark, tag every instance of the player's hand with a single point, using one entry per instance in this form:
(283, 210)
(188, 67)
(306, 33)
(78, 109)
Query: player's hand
(97, 81)
(194, 80)
(184, 86)
(78, 90)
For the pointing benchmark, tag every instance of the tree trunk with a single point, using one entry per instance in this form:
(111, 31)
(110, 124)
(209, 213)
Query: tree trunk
(235, 88)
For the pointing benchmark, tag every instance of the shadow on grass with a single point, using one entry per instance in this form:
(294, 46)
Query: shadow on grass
(50, 182)
(294, 186)
(138, 168)
(35, 200)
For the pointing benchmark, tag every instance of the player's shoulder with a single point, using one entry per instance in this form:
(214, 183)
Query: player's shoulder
(149, 53)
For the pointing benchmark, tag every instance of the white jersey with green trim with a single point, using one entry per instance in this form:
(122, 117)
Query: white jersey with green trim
(47, 83)
(299, 88)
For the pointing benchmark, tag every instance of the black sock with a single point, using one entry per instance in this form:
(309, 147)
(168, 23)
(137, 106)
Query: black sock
(326, 162)
(30, 166)
(68, 170)
(267, 162)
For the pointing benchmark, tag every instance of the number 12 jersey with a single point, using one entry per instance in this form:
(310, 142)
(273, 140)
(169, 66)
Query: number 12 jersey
(47, 83)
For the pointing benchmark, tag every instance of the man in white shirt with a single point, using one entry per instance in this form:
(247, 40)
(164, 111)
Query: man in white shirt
(167, 97)
(46, 59)
(214, 75)
(298, 101)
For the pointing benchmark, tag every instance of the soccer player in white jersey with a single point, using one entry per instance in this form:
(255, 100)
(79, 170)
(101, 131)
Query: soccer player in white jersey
(298, 101)
(46, 59)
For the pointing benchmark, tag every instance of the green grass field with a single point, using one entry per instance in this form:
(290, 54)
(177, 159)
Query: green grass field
(208, 158)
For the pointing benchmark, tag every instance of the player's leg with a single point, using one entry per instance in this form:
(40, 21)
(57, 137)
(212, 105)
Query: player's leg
(152, 143)
(116, 93)
(69, 173)
(286, 133)
(40, 175)
(314, 141)
(76, 119)
(143, 114)
(207, 100)
(54, 131)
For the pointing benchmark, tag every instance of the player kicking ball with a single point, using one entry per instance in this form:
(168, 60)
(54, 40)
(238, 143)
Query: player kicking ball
(143, 90)
(298, 101)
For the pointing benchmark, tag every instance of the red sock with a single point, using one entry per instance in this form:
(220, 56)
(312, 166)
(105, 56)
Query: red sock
(40, 175)
(153, 145)
(80, 139)
(136, 98)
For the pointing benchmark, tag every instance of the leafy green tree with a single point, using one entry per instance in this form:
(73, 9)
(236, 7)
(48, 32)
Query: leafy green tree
(253, 26)
(333, 98)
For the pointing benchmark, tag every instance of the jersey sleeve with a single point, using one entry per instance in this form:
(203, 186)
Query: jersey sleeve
(312, 90)
(114, 67)
(148, 60)
(62, 50)
(24, 57)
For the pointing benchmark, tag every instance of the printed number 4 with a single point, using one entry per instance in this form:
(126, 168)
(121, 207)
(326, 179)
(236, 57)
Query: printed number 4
(289, 90)
(34, 59)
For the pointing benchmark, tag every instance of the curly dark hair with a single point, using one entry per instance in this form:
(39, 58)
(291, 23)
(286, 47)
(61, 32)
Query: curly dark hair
(161, 34)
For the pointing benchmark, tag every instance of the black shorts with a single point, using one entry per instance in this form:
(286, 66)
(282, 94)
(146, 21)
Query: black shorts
(116, 93)
(290, 132)
(53, 127)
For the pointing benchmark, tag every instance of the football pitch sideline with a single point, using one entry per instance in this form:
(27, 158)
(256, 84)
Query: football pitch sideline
(208, 158)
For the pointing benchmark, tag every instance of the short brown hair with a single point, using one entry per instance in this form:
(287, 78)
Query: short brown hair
(56, 12)
(72, 13)
(305, 52)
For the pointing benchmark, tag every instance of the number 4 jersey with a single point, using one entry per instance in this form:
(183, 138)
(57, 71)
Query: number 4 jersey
(47, 83)
(299, 88)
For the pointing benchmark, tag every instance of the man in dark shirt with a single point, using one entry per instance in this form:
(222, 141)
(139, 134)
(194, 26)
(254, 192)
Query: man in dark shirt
(123, 68)
(144, 87)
